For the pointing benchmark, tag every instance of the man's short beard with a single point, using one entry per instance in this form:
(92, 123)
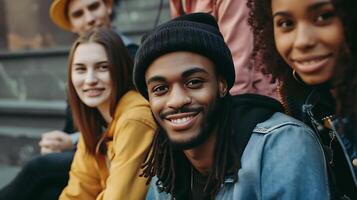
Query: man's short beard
(207, 128)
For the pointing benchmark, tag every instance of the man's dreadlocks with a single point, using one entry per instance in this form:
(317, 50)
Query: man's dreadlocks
(163, 160)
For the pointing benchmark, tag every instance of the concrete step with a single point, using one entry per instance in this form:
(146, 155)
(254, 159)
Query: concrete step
(15, 151)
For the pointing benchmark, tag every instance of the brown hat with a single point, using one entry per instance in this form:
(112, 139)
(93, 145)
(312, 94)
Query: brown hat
(59, 16)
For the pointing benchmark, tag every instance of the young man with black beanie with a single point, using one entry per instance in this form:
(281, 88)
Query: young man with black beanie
(211, 145)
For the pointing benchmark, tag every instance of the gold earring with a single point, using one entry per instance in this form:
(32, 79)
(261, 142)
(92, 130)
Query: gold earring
(297, 78)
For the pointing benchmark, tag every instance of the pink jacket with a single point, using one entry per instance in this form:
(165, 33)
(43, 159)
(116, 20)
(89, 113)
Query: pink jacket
(232, 16)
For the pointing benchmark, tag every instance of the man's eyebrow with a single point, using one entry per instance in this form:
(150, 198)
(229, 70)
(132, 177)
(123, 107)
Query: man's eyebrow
(93, 4)
(184, 74)
(191, 71)
(155, 78)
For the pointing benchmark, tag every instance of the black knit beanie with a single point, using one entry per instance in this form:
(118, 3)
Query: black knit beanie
(197, 33)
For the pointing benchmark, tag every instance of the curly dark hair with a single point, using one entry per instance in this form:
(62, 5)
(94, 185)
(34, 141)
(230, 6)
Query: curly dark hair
(265, 52)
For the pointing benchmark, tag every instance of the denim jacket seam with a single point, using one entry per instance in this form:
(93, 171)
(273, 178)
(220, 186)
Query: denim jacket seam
(265, 130)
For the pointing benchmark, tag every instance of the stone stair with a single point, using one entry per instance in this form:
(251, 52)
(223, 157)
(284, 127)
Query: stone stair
(15, 151)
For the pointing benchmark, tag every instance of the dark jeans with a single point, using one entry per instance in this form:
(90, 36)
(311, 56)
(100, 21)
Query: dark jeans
(43, 177)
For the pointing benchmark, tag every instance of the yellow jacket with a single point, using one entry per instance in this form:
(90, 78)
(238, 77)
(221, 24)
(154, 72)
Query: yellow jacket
(116, 175)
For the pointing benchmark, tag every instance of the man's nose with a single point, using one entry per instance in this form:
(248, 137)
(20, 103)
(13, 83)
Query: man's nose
(178, 98)
(89, 17)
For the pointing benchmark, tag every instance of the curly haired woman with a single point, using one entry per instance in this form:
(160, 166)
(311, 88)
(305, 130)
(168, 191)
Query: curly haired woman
(311, 48)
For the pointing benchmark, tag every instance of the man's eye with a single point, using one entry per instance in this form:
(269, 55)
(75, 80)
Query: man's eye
(93, 6)
(159, 90)
(194, 83)
(77, 14)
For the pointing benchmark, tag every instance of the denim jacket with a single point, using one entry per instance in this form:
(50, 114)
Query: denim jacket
(282, 160)
(318, 111)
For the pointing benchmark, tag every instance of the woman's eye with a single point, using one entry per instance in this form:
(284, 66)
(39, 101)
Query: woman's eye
(93, 6)
(77, 14)
(159, 90)
(194, 83)
(103, 68)
(79, 69)
(325, 17)
(285, 23)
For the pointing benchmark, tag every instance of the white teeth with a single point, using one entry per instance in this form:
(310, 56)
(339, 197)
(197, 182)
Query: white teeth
(92, 90)
(181, 120)
(310, 62)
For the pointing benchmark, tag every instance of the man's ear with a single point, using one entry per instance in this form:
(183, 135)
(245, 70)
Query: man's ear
(222, 86)
(109, 8)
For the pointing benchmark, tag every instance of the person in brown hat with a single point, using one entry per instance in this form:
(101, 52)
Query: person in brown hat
(80, 16)
(58, 146)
